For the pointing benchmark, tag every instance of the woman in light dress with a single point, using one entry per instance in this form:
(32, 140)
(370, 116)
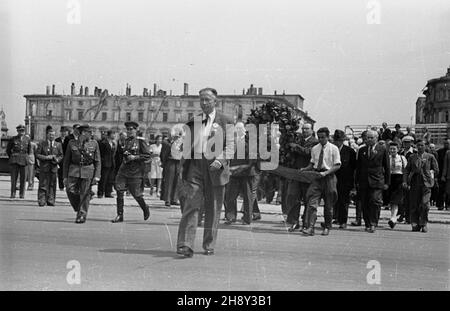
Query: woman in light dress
(155, 174)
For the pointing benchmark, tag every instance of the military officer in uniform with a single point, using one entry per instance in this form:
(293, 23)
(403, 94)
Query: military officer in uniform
(49, 153)
(18, 150)
(82, 166)
(130, 175)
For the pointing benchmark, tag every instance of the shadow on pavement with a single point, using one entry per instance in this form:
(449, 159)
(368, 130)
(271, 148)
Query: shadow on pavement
(64, 220)
(152, 252)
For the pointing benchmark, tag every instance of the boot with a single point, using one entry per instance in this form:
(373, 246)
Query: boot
(144, 207)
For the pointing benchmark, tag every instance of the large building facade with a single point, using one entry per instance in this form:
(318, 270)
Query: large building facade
(433, 110)
(156, 114)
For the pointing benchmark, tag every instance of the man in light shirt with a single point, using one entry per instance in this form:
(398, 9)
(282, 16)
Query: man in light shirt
(326, 160)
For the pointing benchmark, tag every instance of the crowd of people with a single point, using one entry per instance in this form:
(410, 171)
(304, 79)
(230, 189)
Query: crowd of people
(380, 168)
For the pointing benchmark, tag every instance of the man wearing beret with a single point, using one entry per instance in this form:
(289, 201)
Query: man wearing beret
(82, 164)
(345, 178)
(130, 175)
(204, 173)
(49, 153)
(64, 132)
(18, 150)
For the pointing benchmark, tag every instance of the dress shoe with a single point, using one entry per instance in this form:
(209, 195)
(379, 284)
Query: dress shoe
(146, 212)
(326, 231)
(167, 204)
(440, 208)
(50, 204)
(343, 226)
(185, 251)
(424, 229)
(335, 222)
(308, 231)
(415, 228)
(119, 218)
(229, 221)
(99, 196)
(356, 223)
(209, 252)
(256, 217)
(176, 203)
(367, 229)
(400, 219)
(391, 224)
(41, 204)
(294, 227)
(13, 196)
(371, 229)
(22, 196)
(82, 219)
(322, 225)
(109, 196)
(245, 223)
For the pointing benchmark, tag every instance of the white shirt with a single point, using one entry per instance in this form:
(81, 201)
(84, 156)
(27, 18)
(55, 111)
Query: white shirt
(398, 164)
(331, 155)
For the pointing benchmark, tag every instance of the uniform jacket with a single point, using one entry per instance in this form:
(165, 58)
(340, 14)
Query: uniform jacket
(302, 151)
(419, 168)
(18, 150)
(222, 176)
(107, 153)
(373, 172)
(82, 160)
(136, 168)
(48, 163)
(346, 172)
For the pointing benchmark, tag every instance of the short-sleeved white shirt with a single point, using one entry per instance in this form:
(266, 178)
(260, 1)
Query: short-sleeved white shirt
(331, 155)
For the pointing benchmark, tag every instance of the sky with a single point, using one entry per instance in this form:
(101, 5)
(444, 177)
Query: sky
(354, 61)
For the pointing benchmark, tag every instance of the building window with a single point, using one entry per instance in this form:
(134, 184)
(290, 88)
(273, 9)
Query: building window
(177, 116)
(140, 116)
(446, 116)
(80, 103)
(68, 115)
(80, 115)
(49, 113)
(165, 116)
(129, 103)
(190, 103)
(104, 116)
(128, 116)
(166, 104)
(190, 116)
(178, 104)
(116, 116)
(141, 103)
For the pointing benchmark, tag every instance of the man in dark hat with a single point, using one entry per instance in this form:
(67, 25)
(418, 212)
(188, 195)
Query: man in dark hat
(345, 178)
(18, 151)
(49, 153)
(130, 175)
(63, 132)
(82, 164)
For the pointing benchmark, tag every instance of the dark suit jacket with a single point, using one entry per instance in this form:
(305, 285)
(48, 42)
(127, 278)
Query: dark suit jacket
(107, 153)
(302, 151)
(166, 148)
(345, 174)
(441, 156)
(373, 172)
(44, 154)
(222, 176)
(421, 167)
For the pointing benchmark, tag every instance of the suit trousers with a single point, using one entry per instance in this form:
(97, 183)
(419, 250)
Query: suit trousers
(47, 188)
(419, 204)
(371, 202)
(295, 195)
(325, 188)
(404, 208)
(60, 178)
(240, 184)
(78, 192)
(136, 188)
(200, 192)
(17, 170)
(342, 203)
(171, 171)
(105, 185)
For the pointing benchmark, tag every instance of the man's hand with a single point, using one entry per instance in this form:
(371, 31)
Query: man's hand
(385, 187)
(215, 166)
(131, 157)
(323, 174)
(95, 181)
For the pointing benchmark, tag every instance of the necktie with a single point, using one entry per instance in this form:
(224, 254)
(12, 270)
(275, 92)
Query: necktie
(370, 151)
(320, 163)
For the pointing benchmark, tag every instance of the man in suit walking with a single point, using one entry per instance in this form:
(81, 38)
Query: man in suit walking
(205, 172)
(108, 149)
(372, 177)
(345, 178)
(419, 178)
(49, 153)
(442, 198)
(64, 132)
(18, 151)
(296, 191)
